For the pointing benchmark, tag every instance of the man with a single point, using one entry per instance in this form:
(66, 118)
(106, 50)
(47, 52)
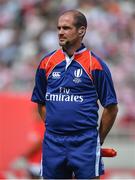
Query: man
(69, 82)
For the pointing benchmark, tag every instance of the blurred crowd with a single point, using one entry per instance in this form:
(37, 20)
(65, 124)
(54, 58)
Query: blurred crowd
(28, 30)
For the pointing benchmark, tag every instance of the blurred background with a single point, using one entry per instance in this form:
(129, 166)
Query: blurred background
(28, 30)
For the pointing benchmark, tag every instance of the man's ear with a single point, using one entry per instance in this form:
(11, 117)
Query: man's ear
(82, 31)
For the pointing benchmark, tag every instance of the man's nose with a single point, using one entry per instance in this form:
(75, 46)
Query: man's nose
(61, 31)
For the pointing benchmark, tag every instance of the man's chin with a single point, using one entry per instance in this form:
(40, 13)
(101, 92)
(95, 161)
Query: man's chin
(62, 44)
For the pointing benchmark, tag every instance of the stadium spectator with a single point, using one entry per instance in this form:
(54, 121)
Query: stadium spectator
(30, 160)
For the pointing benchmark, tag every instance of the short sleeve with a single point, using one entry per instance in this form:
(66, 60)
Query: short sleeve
(39, 91)
(104, 85)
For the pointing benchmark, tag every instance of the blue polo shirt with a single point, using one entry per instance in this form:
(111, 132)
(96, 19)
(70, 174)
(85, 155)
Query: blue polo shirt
(71, 91)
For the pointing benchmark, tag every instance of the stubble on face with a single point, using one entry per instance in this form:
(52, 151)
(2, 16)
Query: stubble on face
(67, 32)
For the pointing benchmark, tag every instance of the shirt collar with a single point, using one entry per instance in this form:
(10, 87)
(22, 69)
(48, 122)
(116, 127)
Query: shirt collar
(81, 49)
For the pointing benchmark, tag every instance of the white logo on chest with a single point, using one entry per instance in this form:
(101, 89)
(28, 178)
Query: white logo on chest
(77, 74)
(56, 75)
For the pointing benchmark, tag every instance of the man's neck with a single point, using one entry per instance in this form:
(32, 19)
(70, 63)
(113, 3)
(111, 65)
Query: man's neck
(72, 49)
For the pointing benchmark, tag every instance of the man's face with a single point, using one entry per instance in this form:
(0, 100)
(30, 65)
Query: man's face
(67, 32)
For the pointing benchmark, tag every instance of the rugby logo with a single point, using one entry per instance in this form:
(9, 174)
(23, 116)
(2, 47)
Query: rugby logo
(77, 74)
(56, 75)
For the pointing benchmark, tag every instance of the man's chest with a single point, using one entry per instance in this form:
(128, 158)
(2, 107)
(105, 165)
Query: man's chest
(74, 78)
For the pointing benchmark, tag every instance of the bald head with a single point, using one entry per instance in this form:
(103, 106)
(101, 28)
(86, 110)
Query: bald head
(79, 18)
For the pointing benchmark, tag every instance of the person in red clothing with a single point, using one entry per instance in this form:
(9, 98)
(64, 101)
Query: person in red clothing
(30, 161)
(33, 156)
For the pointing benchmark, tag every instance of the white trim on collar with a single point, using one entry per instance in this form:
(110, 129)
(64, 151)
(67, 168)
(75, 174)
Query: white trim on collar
(82, 50)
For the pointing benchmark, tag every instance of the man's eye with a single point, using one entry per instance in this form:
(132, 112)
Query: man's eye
(66, 28)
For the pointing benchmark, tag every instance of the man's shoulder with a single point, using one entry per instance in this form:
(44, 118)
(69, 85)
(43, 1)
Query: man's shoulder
(51, 59)
(47, 55)
(96, 57)
(98, 62)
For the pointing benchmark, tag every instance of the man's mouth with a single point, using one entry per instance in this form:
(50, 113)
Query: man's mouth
(61, 38)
